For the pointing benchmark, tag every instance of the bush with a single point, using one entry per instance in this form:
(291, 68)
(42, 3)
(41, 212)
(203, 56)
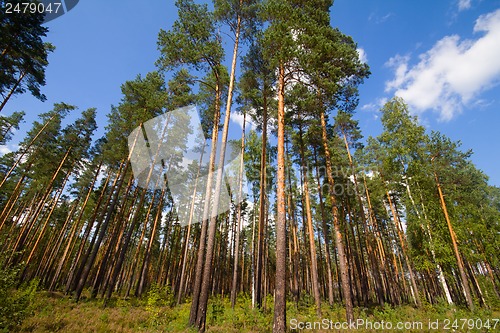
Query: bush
(15, 304)
(158, 299)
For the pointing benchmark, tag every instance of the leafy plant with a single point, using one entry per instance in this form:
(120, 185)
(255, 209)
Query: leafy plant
(157, 299)
(15, 304)
(217, 310)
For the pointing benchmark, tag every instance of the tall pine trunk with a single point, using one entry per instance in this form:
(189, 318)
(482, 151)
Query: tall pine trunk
(460, 263)
(188, 233)
(236, 231)
(193, 315)
(339, 243)
(402, 241)
(310, 228)
(207, 269)
(279, 324)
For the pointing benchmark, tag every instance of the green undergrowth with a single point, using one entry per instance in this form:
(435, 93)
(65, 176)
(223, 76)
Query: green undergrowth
(387, 318)
(156, 312)
(16, 304)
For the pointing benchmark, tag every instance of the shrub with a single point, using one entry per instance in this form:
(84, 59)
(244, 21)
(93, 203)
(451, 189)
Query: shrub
(15, 304)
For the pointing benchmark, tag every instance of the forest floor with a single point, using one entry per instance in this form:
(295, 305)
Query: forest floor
(54, 312)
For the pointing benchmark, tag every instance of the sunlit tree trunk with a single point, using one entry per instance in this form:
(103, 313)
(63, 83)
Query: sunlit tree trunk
(325, 233)
(188, 232)
(279, 325)
(262, 208)
(440, 273)
(312, 245)
(463, 276)
(74, 269)
(207, 269)
(236, 231)
(402, 241)
(198, 278)
(339, 243)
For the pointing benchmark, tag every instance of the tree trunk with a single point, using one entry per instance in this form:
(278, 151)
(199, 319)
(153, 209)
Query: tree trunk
(188, 233)
(236, 232)
(402, 240)
(279, 325)
(312, 245)
(49, 188)
(295, 258)
(19, 159)
(262, 207)
(207, 269)
(147, 255)
(463, 276)
(204, 226)
(104, 226)
(325, 233)
(339, 243)
(18, 82)
(441, 277)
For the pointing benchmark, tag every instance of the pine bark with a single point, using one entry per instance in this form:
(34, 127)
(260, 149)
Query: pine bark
(279, 324)
(339, 243)
(207, 269)
(460, 263)
(310, 228)
(237, 230)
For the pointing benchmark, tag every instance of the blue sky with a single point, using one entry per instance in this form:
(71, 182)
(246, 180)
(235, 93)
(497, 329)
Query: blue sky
(443, 57)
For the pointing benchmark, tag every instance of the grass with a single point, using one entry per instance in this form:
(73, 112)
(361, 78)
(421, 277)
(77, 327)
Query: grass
(54, 312)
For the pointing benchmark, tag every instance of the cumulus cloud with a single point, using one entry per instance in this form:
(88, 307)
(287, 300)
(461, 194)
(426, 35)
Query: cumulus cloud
(8, 148)
(4, 150)
(362, 55)
(237, 118)
(452, 73)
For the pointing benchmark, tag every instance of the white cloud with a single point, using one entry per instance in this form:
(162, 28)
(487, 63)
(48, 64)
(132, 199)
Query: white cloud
(464, 4)
(375, 105)
(362, 55)
(452, 73)
(4, 150)
(400, 65)
(237, 118)
(8, 148)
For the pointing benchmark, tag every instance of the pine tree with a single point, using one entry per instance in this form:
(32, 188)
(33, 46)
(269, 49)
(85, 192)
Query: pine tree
(23, 57)
(193, 41)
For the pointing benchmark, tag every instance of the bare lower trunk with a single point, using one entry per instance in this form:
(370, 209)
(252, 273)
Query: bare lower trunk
(440, 273)
(310, 228)
(207, 269)
(204, 226)
(463, 276)
(339, 242)
(262, 210)
(188, 233)
(402, 241)
(279, 325)
(236, 232)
